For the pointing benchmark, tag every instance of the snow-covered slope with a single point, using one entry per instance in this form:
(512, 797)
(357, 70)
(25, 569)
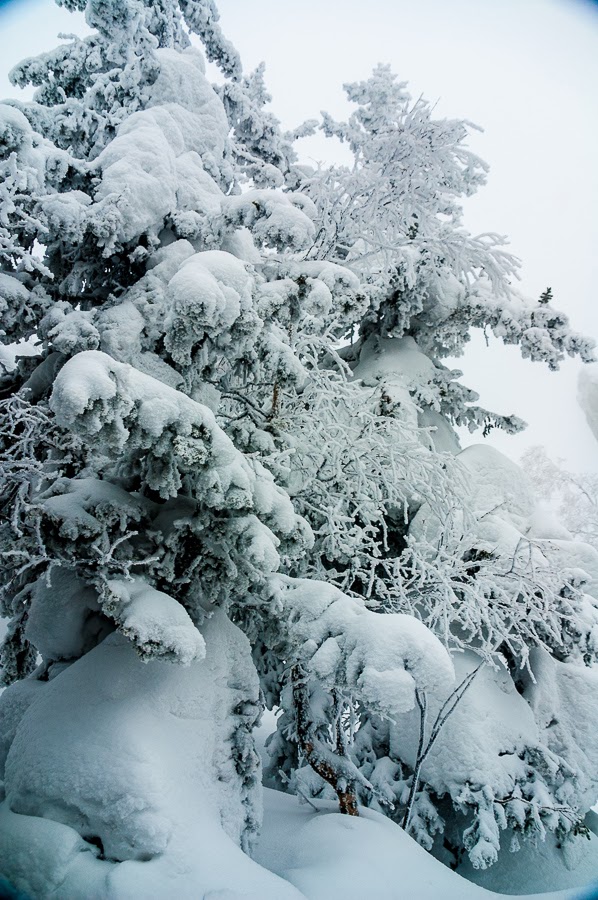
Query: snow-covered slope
(329, 856)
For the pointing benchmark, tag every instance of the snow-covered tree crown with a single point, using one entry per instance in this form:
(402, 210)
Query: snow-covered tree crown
(396, 217)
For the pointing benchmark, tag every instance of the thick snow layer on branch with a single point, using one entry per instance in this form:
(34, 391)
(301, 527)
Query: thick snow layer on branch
(482, 740)
(15, 130)
(205, 298)
(153, 621)
(165, 158)
(382, 658)
(12, 295)
(93, 392)
(30, 166)
(276, 219)
(563, 700)
(83, 506)
(394, 358)
(403, 371)
(112, 405)
(32, 151)
(542, 332)
(516, 754)
(138, 175)
(181, 81)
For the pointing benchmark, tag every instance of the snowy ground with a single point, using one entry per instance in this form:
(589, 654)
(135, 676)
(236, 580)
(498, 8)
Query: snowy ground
(307, 851)
(327, 856)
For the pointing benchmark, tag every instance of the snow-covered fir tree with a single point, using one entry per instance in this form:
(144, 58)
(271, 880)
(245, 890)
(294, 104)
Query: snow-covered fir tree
(231, 476)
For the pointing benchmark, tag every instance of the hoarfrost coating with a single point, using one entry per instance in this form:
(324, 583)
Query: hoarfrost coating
(232, 479)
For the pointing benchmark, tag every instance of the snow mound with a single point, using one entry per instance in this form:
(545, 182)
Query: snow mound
(499, 486)
(328, 856)
(148, 757)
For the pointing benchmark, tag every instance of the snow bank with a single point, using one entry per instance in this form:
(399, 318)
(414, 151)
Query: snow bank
(328, 856)
(157, 764)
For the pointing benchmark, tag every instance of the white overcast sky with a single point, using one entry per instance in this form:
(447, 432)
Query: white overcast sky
(525, 70)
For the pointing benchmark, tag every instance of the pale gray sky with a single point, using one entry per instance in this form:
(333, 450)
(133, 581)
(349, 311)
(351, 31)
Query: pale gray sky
(525, 70)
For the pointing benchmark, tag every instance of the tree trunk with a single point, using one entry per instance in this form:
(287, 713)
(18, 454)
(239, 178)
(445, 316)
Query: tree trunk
(327, 764)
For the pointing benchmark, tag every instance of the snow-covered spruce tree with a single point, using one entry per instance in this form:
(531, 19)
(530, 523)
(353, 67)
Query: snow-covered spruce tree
(135, 533)
(190, 286)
